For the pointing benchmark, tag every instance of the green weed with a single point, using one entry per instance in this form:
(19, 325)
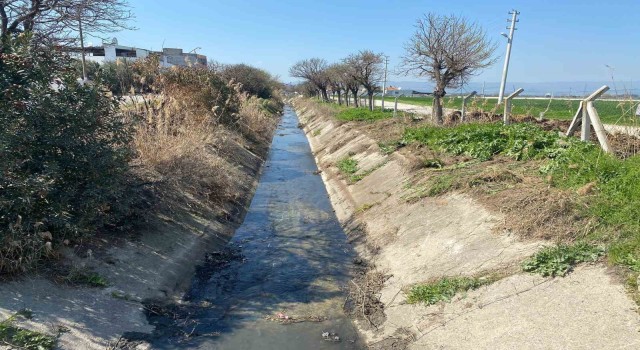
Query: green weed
(363, 114)
(521, 141)
(560, 260)
(441, 184)
(615, 204)
(433, 163)
(85, 278)
(445, 289)
(16, 337)
(357, 177)
(347, 165)
(317, 132)
(387, 148)
(365, 207)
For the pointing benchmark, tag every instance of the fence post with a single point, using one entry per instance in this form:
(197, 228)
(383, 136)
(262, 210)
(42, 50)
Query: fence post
(507, 106)
(586, 122)
(464, 104)
(395, 107)
(587, 116)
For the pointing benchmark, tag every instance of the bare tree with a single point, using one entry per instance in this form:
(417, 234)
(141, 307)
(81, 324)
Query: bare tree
(448, 50)
(96, 17)
(338, 75)
(64, 21)
(351, 85)
(366, 68)
(20, 15)
(315, 71)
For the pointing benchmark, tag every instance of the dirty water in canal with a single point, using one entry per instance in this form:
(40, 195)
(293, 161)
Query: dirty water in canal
(280, 282)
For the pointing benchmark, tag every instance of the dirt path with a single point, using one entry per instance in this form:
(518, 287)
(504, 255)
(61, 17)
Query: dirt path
(453, 235)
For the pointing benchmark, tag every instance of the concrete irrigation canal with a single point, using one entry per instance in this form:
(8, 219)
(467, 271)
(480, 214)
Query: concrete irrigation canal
(280, 282)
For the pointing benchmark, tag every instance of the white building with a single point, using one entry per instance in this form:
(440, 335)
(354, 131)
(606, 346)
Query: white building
(394, 91)
(110, 52)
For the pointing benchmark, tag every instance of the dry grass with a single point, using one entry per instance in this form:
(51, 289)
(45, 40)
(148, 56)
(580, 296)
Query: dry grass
(191, 149)
(363, 301)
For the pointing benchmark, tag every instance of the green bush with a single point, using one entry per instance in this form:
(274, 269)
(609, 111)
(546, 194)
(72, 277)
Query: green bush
(254, 81)
(123, 77)
(64, 155)
(92, 68)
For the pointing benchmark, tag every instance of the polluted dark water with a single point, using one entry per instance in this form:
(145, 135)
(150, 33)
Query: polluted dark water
(280, 282)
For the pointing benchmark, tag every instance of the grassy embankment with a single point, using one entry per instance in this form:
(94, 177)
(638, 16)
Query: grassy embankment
(611, 112)
(605, 187)
(600, 190)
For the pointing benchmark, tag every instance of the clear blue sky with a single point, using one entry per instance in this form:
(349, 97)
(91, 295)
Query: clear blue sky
(561, 40)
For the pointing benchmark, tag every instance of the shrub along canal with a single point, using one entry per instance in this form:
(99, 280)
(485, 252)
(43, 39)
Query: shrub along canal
(280, 282)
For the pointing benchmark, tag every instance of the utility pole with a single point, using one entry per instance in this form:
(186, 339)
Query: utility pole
(384, 84)
(512, 28)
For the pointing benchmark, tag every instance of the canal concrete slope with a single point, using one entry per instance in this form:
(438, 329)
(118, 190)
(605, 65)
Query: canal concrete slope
(415, 241)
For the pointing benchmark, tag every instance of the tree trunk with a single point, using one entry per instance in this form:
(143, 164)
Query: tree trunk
(339, 98)
(84, 63)
(325, 97)
(438, 94)
(355, 98)
(370, 101)
(346, 97)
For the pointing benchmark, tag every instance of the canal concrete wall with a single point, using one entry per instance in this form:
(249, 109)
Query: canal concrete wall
(415, 241)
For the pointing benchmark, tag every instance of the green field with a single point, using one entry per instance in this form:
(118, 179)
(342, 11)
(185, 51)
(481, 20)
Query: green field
(611, 112)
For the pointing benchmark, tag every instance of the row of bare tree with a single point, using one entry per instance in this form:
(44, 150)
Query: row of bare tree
(363, 69)
(447, 50)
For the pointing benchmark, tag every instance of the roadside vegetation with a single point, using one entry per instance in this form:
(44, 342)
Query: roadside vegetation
(81, 159)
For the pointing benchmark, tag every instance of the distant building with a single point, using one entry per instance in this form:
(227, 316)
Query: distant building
(110, 52)
(415, 93)
(393, 91)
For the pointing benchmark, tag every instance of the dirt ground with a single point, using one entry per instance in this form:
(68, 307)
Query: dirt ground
(475, 230)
